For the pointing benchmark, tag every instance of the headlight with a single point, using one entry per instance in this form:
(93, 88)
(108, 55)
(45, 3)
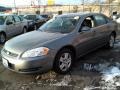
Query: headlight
(41, 51)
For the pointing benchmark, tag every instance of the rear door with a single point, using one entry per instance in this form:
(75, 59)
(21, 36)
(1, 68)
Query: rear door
(18, 25)
(101, 30)
(24, 23)
(10, 26)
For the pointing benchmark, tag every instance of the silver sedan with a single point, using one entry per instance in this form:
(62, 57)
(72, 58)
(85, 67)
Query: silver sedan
(11, 25)
(57, 43)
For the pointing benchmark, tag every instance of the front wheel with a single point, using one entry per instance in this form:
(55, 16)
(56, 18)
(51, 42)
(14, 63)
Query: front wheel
(2, 38)
(63, 61)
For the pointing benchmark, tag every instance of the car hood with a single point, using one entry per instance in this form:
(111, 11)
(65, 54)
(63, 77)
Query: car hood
(30, 40)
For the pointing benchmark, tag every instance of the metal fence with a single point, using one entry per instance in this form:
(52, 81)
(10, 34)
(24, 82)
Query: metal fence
(107, 7)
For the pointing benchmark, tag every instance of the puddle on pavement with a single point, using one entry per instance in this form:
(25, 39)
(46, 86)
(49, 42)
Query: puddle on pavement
(85, 79)
(110, 78)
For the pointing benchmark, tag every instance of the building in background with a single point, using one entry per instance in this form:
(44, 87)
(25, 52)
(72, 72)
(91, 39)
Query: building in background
(5, 9)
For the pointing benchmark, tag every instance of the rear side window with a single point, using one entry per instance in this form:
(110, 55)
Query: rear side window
(21, 18)
(30, 17)
(100, 20)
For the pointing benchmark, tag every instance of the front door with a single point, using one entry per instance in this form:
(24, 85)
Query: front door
(85, 37)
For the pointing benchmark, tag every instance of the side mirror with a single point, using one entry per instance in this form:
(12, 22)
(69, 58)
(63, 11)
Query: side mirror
(9, 23)
(85, 28)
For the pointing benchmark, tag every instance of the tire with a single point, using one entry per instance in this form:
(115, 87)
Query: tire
(24, 30)
(111, 41)
(35, 27)
(63, 61)
(2, 38)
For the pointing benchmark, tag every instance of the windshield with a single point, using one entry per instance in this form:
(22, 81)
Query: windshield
(30, 17)
(44, 16)
(60, 24)
(2, 19)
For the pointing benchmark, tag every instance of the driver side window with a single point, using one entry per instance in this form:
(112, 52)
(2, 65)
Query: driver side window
(87, 23)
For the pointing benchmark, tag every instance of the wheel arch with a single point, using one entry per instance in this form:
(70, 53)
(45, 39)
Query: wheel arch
(72, 48)
(25, 27)
(55, 65)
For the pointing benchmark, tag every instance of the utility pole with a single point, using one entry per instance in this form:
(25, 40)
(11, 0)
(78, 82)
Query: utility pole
(39, 4)
(100, 9)
(33, 5)
(69, 7)
(109, 7)
(15, 7)
(83, 5)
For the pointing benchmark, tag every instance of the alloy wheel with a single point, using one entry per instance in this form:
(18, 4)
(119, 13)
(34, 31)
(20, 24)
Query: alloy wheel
(65, 61)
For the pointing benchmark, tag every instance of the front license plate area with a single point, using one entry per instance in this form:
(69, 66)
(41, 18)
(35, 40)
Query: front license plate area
(5, 62)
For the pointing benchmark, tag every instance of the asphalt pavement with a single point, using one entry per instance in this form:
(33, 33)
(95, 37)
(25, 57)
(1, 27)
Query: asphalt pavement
(97, 70)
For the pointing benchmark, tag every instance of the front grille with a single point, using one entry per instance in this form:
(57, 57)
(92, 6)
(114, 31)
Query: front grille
(10, 53)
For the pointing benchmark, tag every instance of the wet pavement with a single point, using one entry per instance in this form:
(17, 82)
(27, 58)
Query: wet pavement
(99, 70)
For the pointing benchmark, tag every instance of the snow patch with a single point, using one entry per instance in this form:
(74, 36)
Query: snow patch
(111, 73)
(65, 81)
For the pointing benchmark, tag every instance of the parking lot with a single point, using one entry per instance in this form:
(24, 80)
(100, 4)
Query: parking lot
(97, 70)
(45, 34)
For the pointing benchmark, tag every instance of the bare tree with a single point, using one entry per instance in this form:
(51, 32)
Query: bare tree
(75, 8)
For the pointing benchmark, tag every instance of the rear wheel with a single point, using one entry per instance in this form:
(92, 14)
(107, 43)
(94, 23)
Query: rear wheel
(24, 30)
(63, 61)
(2, 38)
(111, 41)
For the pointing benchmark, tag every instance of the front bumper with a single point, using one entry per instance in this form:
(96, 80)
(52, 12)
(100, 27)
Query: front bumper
(28, 65)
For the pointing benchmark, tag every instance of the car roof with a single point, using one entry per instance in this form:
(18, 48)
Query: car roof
(3, 15)
(6, 14)
(31, 14)
(78, 14)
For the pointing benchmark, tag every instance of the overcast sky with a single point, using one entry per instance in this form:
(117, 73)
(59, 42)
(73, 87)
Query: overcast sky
(43, 2)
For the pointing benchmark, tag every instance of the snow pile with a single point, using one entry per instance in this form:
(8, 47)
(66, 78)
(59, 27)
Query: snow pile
(111, 77)
(111, 73)
(65, 81)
